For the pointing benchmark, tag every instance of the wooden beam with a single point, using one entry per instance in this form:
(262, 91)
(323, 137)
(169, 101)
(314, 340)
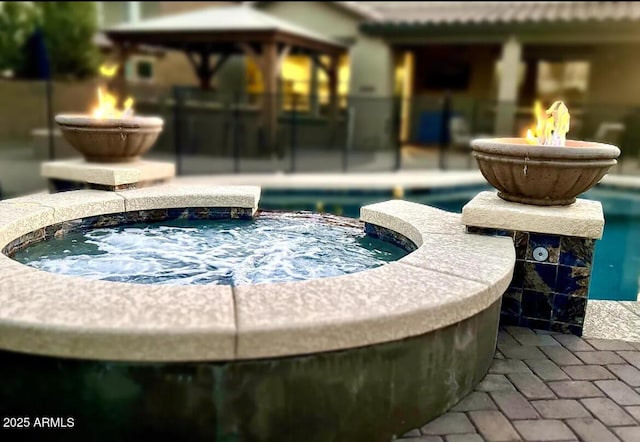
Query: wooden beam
(252, 54)
(316, 60)
(191, 56)
(219, 63)
(284, 52)
(175, 39)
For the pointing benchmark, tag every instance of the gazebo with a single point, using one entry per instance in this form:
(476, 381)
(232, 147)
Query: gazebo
(228, 30)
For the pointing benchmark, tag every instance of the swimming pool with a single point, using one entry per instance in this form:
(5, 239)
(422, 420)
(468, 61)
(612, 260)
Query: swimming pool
(616, 268)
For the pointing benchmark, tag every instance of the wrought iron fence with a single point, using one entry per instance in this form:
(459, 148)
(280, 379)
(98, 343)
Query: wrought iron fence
(213, 132)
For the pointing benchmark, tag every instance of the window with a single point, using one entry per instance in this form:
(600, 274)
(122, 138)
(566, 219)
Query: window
(144, 70)
(568, 79)
(296, 79)
(447, 75)
(140, 69)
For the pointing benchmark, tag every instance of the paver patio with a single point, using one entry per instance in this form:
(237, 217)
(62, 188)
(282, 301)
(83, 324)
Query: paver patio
(545, 386)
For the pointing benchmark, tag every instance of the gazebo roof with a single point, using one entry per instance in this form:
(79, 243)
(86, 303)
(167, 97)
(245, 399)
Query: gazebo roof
(222, 27)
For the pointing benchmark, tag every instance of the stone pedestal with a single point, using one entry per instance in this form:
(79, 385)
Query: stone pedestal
(554, 253)
(79, 174)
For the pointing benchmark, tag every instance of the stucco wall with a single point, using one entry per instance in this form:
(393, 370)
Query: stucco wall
(370, 58)
(614, 75)
(24, 104)
(371, 65)
(614, 89)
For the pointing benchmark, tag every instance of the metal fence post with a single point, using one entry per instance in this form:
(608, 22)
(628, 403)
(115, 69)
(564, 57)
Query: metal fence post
(395, 127)
(49, 91)
(348, 146)
(293, 134)
(177, 127)
(236, 133)
(444, 134)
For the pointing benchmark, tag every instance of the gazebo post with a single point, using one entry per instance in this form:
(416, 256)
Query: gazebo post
(120, 79)
(332, 73)
(202, 65)
(270, 80)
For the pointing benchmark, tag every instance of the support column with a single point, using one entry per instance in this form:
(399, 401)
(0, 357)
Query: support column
(334, 104)
(508, 87)
(133, 12)
(407, 93)
(270, 81)
(554, 253)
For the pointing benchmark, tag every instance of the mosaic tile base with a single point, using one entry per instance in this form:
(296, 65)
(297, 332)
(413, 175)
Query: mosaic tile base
(550, 285)
(389, 236)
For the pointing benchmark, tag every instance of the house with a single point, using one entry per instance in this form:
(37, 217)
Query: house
(491, 58)
(482, 53)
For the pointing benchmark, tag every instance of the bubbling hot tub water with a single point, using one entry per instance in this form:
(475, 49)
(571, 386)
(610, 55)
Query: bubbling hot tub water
(275, 247)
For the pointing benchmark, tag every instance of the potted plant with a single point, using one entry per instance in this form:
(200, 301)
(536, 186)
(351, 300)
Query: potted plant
(545, 168)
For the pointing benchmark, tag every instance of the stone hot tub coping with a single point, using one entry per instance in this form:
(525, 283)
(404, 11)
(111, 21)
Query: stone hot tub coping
(450, 277)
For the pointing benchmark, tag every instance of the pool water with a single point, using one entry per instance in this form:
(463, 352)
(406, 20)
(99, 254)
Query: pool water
(616, 263)
(276, 247)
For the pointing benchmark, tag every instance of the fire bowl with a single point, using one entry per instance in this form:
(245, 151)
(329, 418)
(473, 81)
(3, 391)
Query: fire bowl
(542, 175)
(110, 140)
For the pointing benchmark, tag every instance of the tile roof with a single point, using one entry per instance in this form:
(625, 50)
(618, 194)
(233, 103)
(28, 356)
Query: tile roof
(241, 18)
(449, 13)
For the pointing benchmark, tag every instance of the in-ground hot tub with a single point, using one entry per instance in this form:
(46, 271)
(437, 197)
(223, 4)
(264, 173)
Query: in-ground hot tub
(363, 356)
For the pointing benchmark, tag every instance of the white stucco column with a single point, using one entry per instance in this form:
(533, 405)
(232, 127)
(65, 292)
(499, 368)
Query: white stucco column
(508, 87)
(133, 12)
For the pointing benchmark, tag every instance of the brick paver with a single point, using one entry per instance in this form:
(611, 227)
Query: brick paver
(619, 392)
(506, 366)
(560, 409)
(632, 357)
(448, 423)
(548, 387)
(475, 401)
(547, 370)
(575, 389)
(588, 372)
(494, 426)
(607, 411)
(609, 344)
(514, 405)
(561, 356)
(495, 382)
(627, 373)
(599, 357)
(544, 430)
(589, 429)
(531, 386)
(628, 434)
(573, 343)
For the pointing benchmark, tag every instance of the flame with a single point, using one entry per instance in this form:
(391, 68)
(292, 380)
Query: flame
(552, 125)
(108, 71)
(107, 106)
